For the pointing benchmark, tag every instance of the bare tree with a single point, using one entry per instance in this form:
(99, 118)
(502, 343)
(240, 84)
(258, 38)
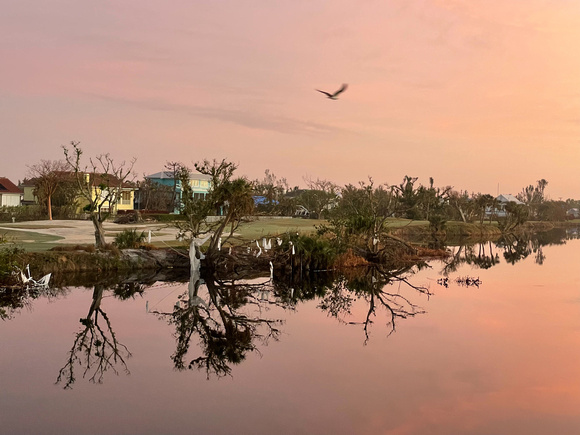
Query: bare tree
(47, 176)
(173, 169)
(155, 196)
(100, 184)
(320, 196)
(273, 190)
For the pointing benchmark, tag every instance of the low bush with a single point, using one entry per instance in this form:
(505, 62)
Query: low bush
(70, 248)
(130, 239)
(8, 263)
(159, 217)
(22, 213)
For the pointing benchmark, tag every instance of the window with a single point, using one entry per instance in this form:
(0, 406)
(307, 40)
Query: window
(126, 198)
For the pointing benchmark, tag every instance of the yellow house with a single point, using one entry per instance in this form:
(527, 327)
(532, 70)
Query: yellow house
(101, 186)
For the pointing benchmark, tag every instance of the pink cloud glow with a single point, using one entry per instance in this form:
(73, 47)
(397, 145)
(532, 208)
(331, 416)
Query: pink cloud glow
(472, 96)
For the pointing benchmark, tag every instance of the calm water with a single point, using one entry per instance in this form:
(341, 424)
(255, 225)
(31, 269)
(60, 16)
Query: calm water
(499, 358)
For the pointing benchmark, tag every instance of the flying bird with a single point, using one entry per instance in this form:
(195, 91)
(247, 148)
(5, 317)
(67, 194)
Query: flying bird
(335, 95)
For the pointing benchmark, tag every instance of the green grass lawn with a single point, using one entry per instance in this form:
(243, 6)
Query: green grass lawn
(271, 227)
(30, 240)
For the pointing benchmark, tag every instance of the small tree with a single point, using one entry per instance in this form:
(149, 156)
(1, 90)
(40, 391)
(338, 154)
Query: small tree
(273, 190)
(173, 171)
(320, 196)
(229, 197)
(361, 214)
(48, 175)
(155, 196)
(483, 203)
(516, 215)
(408, 197)
(100, 184)
(461, 202)
(533, 196)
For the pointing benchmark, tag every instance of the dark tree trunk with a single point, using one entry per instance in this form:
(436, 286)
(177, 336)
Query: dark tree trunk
(99, 231)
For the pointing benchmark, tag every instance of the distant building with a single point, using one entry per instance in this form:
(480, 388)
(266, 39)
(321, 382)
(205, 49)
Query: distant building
(27, 186)
(499, 209)
(199, 183)
(573, 213)
(10, 194)
(505, 198)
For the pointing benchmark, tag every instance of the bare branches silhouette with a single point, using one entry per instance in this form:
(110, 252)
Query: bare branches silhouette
(96, 349)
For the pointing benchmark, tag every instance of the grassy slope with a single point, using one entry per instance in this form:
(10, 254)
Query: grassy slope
(267, 227)
(30, 240)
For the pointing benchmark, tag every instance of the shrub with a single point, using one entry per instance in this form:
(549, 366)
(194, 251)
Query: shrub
(71, 248)
(161, 217)
(312, 252)
(8, 263)
(21, 213)
(130, 239)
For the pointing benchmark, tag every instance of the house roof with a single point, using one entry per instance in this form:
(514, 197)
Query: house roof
(168, 175)
(508, 198)
(108, 179)
(31, 182)
(261, 200)
(7, 186)
(27, 182)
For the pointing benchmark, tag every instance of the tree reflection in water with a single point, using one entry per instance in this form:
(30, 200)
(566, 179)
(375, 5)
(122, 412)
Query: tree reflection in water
(372, 286)
(513, 247)
(96, 348)
(480, 255)
(14, 298)
(227, 317)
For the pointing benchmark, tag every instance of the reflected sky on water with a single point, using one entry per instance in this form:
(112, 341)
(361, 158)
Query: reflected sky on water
(502, 358)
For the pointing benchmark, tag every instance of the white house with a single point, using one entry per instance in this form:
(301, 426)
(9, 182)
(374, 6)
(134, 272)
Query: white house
(502, 200)
(573, 213)
(10, 194)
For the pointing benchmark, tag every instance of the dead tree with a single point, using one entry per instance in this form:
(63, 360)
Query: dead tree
(100, 184)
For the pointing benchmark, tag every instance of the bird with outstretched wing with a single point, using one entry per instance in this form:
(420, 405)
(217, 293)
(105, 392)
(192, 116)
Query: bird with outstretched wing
(334, 96)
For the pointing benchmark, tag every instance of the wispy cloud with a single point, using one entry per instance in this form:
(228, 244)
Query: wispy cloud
(249, 119)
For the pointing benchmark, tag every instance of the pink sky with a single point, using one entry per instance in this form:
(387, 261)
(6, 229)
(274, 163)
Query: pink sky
(475, 94)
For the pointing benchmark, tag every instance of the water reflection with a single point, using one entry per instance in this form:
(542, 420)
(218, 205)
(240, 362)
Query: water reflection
(226, 317)
(96, 348)
(373, 287)
(512, 247)
(501, 359)
(481, 255)
(12, 301)
(219, 321)
(15, 298)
